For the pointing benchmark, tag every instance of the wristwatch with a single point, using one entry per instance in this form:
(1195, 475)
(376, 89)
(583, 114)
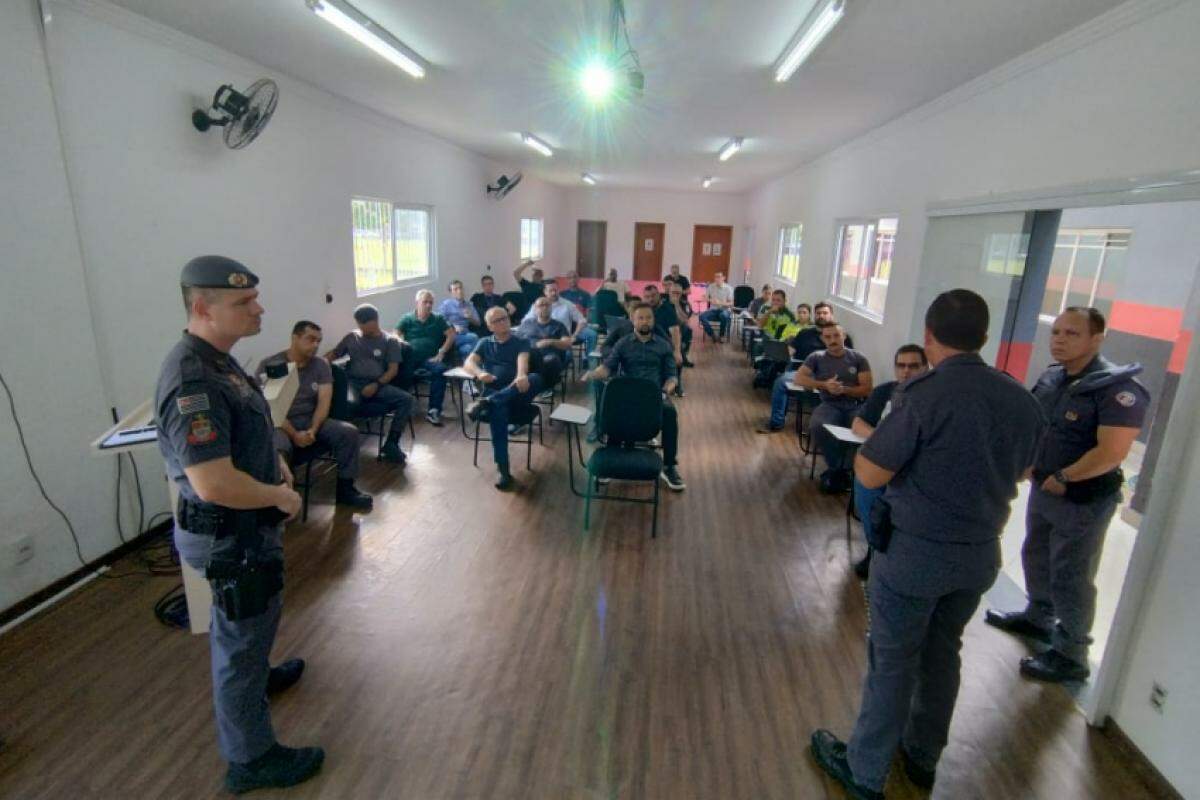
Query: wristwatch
(1061, 477)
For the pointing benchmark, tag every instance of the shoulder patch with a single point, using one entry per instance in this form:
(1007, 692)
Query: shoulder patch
(200, 431)
(192, 404)
(1126, 398)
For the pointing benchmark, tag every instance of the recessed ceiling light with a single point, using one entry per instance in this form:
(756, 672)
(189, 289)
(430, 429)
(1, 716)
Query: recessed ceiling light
(588, 179)
(597, 81)
(537, 144)
(816, 27)
(731, 147)
(704, 184)
(366, 31)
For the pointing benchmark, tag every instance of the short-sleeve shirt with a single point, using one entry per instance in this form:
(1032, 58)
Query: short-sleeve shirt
(878, 404)
(370, 356)
(312, 376)
(426, 337)
(722, 294)
(564, 311)
(207, 407)
(483, 302)
(533, 331)
(681, 279)
(457, 312)
(653, 360)
(958, 438)
(846, 368)
(500, 358)
(577, 296)
(1077, 405)
(665, 318)
(532, 290)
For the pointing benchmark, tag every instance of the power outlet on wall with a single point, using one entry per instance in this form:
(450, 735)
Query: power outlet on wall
(1158, 697)
(15, 551)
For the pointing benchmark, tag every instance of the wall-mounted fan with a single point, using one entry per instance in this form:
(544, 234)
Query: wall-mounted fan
(243, 115)
(503, 186)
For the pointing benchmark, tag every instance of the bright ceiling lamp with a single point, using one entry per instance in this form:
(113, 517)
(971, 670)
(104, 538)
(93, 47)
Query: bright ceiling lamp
(366, 31)
(731, 147)
(707, 182)
(537, 144)
(588, 179)
(597, 81)
(816, 27)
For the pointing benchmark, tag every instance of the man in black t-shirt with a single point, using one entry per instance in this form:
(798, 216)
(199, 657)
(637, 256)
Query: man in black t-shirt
(533, 288)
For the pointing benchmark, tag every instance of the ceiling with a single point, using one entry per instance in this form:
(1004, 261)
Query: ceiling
(500, 67)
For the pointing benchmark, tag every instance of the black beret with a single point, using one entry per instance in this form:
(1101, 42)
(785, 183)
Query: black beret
(217, 272)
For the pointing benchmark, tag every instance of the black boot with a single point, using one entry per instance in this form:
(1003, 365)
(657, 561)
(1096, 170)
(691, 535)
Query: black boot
(349, 495)
(391, 451)
(278, 767)
(285, 675)
(504, 479)
(1018, 624)
(1053, 667)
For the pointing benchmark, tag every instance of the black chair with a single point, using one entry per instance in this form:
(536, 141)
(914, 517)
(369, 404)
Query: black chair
(520, 302)
(532, 414)
(304, 458)
(630, 413)
(743, 296)
(605, 305)
(346, 403)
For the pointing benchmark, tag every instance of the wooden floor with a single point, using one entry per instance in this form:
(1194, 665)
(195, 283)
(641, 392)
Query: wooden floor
(464, 643)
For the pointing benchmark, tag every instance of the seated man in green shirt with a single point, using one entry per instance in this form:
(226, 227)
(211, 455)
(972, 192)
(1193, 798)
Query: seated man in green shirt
(431, 338)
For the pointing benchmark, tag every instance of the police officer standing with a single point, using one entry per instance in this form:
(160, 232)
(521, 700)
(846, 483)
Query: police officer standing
(1096, 409)
(951, 451)
(215, 434)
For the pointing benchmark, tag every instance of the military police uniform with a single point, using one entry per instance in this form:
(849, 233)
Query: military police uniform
(207, 407)
(958, 439)
(1064, 535)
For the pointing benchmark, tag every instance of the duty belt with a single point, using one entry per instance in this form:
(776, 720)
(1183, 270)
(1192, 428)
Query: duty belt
(219, 521)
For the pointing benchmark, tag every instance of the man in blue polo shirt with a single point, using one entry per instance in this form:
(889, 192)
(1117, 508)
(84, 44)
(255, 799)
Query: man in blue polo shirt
(462, 316)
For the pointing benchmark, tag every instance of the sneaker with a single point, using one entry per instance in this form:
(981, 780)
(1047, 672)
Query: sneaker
(476, 409)
(391, 452)
(279, 767)
(830, 754)
(285, 675)
(1053, 667)
(434, 417)
(673, 479)
(769, 427)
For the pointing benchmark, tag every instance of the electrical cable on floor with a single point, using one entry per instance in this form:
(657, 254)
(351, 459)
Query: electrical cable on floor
(171, 608)
(12, 405)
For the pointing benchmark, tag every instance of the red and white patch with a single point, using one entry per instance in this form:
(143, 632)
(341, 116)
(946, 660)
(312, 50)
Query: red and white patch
(1126, 399)
(201, 431)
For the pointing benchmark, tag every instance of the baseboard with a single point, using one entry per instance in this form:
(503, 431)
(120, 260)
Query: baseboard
(109, 558)
(1154, 780)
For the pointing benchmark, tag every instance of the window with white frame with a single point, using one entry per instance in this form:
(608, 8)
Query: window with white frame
(531, 238)
(1087, 267)
(393, 245)
(787, 266)
(862, 263)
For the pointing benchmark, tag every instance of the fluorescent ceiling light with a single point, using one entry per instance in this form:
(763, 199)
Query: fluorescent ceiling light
(815, 28)
(704, 184)
(537, 144)
(588, 179)
(731, 147)
(366, 31)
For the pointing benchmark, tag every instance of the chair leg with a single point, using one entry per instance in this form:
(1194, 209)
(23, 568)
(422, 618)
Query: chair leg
(529, 441)
(412, 429)
(587, 500)
(307, 488)
(654, 523)
(475, 460)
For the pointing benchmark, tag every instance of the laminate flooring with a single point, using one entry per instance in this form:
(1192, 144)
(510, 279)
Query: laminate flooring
(464, 643)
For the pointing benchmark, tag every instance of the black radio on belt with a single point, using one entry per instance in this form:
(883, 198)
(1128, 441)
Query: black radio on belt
(244, 590)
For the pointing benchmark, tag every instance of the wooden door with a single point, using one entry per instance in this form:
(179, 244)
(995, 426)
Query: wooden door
(648, 250)
(710, 251)
(590, 243)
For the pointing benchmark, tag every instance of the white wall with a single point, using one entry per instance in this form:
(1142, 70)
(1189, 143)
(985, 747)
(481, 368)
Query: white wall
(622, 208)
(1115, 99)
(150, 192)
(47, 355)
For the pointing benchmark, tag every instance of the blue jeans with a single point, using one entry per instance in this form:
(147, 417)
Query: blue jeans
(588, 337)
(715, 315)
(509, 404)
(437, 382)
(779, 398)
(465, 342)
(864, 498)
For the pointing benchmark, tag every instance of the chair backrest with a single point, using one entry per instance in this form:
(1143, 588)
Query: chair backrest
(604, 305)
(521, 302)
(631, 410)
(742, 296)
(342, 405)
(777, 351)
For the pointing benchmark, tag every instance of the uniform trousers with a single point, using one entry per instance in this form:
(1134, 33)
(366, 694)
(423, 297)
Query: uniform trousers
(1063, 542)
(388, 399)
(239, 653)
(340, 438)
(921, 596)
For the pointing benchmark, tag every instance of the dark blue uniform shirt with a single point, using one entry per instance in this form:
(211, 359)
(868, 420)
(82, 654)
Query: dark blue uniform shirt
(500, 358)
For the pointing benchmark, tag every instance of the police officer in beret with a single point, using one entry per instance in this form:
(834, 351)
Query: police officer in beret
(957, 441)
(215, 434)
(1096, 409)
